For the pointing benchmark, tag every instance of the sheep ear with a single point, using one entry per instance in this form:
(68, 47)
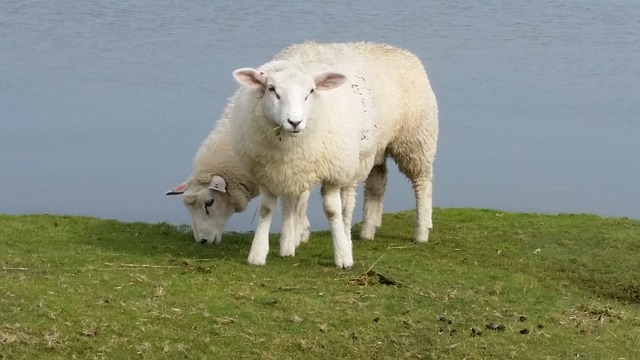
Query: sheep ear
(218, 184)
(329, 80)
(180, 189)
(250, 78)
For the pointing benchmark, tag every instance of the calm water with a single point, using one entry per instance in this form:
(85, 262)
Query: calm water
(104, 103)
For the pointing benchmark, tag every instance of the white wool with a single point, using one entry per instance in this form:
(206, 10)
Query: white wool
(385, 108)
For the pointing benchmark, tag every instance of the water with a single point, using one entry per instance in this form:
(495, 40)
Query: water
(104, 103)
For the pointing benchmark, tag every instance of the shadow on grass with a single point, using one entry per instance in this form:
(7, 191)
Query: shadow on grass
(152, 240)
(176, 243)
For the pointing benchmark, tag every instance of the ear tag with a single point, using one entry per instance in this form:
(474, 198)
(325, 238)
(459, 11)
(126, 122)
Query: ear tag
(218, 184)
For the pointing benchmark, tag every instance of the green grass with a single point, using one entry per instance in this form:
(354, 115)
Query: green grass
(488, 285)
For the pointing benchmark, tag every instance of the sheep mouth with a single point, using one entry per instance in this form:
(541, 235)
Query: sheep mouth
(295, 132)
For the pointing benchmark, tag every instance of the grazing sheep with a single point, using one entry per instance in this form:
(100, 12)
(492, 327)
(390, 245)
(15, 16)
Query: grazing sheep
(218, 188)
(331, 114)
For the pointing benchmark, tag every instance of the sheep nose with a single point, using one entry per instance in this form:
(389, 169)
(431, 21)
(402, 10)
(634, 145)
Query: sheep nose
(203, 241)
(294, 123)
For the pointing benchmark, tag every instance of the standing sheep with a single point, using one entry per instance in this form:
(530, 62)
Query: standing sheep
(329, 114)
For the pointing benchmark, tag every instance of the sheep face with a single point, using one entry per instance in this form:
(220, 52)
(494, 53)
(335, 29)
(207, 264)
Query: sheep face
(210, 207)
(288, 94)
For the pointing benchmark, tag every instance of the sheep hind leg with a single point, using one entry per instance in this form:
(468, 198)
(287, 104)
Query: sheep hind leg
(423, 188)
(260, 243)
(289, 238)
(304, 229)
(342, 247)
(417, 165)
(348, 198)
(373, 201)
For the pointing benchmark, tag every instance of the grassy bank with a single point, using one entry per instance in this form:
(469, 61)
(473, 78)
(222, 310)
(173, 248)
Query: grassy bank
(488, 285)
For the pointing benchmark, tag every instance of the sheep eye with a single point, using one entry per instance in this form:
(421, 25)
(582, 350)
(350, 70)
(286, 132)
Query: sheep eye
(310, 93)
(273, 90)
(207, 204)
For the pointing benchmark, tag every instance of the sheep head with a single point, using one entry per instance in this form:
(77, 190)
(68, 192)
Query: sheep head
(288, 93)
(210, 206)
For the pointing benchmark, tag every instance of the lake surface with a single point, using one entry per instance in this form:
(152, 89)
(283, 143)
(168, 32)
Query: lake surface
(104, 103)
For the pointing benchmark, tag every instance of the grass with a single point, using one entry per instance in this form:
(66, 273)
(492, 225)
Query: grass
(488, 285)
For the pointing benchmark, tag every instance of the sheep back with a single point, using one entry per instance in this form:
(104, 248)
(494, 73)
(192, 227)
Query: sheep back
(386, 97)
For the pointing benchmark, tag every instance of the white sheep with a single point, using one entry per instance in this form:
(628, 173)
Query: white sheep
(218, 187)
(329, 113)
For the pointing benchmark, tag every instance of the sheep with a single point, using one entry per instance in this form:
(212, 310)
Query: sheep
(218, 188)
(330, 114)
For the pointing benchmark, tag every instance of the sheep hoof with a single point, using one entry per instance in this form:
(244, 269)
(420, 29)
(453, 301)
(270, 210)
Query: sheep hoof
(421, 235)
(304, 238)
(288, 247)
(367, 232)
(421, 241)
(344, 264)
(366, 236)
(290, 253)
(255, 260)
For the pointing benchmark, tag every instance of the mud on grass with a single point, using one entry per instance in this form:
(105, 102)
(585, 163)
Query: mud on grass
(489, 284)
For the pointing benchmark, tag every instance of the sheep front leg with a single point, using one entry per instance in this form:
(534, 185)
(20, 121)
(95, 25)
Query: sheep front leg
(342, 250)
(373, 201)
(290, 226)
(260, 244)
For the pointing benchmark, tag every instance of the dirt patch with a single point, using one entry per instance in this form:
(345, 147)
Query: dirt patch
(587, 318)
(373, 277)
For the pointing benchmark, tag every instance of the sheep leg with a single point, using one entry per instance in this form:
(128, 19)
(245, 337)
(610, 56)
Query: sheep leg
(260, 244)
(303, 221)
(373, 201)
(289, 238)
(348, 198)
(423, 188)
(342, 250)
